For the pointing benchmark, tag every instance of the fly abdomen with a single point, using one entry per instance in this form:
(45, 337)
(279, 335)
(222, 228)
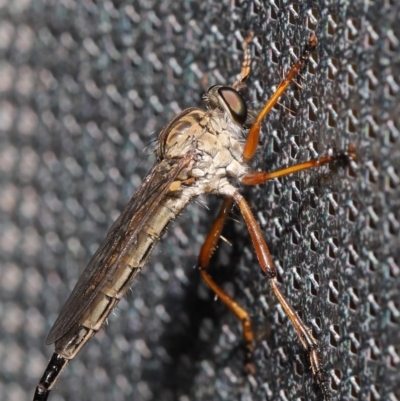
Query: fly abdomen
(127, 269)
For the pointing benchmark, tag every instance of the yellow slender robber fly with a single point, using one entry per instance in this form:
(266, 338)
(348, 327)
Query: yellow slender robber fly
(199, 152)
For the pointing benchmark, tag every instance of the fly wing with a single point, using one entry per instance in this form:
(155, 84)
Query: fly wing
(120, 240)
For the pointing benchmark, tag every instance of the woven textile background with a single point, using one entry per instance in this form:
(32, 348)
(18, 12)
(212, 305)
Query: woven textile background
(85, 86)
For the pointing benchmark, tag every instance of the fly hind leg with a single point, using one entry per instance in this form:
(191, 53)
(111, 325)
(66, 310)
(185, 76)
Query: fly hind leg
(204, 258)
(307, 340)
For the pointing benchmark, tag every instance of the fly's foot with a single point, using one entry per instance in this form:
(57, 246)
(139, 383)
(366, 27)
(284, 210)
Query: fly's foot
(344, 158)
(248, 359)
(323, 383)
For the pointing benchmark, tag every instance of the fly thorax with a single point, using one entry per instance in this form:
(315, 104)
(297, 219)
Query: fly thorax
(183, 139)
(211, 137)
(179, 137)
(219, 149)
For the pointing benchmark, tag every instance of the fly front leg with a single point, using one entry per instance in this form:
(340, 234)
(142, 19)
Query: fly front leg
(254, 133)
(309, 343)
(204, 258)
(246, 63)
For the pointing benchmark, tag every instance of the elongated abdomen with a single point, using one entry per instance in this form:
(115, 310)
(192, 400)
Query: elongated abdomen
(117, 285)
(68, 346)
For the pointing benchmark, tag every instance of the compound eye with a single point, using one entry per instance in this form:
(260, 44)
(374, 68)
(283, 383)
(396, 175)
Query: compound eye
(234, 104)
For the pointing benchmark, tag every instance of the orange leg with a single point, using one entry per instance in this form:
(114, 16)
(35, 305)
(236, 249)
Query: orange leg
(246, 64)
(254, 133)
(258, 177)
(240, 313)
(303, 332)
(204, 258)
(212, 239)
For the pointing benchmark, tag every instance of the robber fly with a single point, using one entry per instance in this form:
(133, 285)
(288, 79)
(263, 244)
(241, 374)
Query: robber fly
(199, 152)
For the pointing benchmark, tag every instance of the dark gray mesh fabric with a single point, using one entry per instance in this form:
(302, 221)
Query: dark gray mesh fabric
(86, 86)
